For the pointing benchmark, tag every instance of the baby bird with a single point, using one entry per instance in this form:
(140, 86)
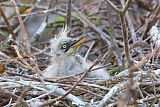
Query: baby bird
(65, 61)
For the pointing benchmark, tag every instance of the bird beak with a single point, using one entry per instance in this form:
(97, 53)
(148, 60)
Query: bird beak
(78, 42)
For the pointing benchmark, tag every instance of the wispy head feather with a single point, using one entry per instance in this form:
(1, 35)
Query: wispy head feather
(63, 32)
(59, 38)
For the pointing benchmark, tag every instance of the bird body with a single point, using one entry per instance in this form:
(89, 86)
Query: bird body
(64, 66)
(65, 61)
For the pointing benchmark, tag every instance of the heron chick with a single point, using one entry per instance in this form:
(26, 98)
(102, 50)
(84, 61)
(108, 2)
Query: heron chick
(65, 61)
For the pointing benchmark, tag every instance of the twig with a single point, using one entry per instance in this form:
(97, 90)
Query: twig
(64, 95)
(125, 38)
(68, 91)
(8, 94)
(25, 36)
(145, 59)
(130, 25)
(39, 12)
(8, 24)
(110, 94)
(149, 22)
(114, 6)
(21, 5)
(22, 59)
(83, 18)
(21, 96)
(114, 46)
(91, 46)
(4, 55)
(125, 7)
(139, 101)
(68, 20)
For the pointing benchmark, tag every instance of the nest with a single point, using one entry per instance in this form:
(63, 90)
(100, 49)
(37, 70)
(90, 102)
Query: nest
(123, 37)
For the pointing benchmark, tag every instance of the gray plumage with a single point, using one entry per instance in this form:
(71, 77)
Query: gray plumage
(65, 61)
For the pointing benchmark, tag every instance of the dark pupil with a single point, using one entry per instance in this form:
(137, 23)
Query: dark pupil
(65, 47)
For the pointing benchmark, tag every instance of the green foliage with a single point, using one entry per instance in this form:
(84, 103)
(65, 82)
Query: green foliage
(75, 14)
(25, 1)
(114, 70)
(95, 21)
(60, 19)
(125, 64)
(5, 32)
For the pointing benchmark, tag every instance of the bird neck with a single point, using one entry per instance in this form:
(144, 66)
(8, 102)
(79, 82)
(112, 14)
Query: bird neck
(59, 57)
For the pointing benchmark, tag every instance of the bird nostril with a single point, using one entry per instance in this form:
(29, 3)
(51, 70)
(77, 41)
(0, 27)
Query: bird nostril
(78, 42)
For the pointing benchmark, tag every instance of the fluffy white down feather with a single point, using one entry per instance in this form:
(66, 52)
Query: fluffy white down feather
(59, 68)
(155, 33)
(63, 64)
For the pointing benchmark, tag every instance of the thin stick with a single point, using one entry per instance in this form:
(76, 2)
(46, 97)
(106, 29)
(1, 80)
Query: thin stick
(68, 21)
(25, 36)
(68, 91)
(8, 24)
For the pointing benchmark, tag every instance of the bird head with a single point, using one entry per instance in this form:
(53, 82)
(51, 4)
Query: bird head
(61, 44)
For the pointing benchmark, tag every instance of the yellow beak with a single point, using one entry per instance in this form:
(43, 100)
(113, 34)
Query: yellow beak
(78, 42)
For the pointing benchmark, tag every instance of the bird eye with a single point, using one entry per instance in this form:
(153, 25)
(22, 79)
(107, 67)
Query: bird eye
(64, 46)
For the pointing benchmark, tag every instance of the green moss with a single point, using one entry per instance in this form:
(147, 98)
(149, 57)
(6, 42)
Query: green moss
(60, 19)
(5, 32)
(125, 64)
(95, 21)
(25, 1)
(114, 70)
